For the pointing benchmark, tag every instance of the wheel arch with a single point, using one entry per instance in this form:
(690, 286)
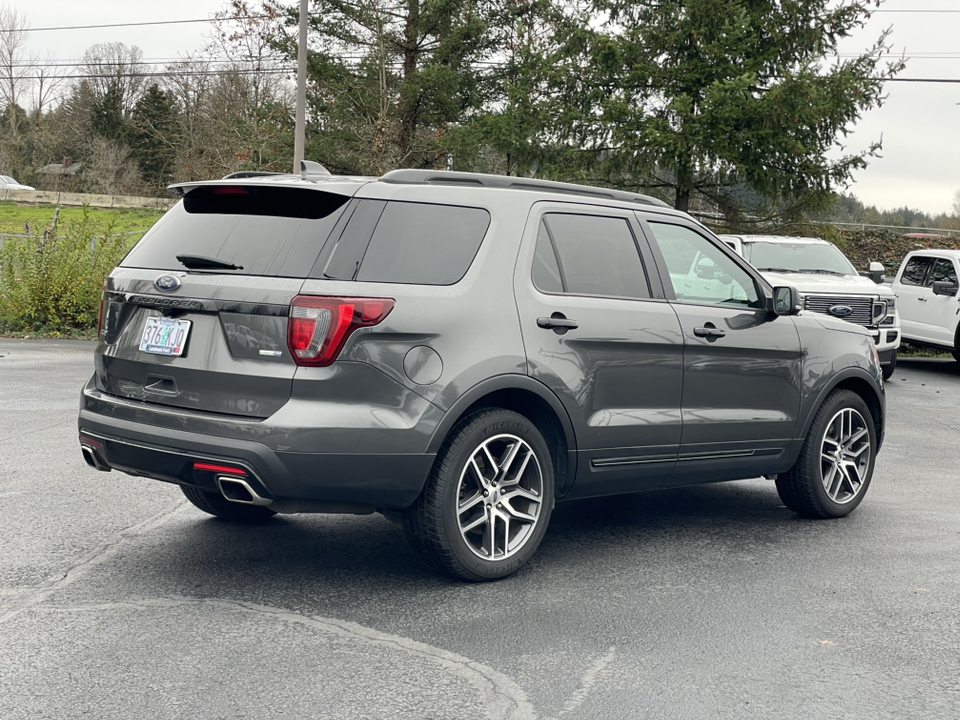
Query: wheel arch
(859, 382)
(534, 401)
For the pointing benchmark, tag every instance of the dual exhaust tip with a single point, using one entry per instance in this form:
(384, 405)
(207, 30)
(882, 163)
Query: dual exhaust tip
(232, 487)
(237, 490)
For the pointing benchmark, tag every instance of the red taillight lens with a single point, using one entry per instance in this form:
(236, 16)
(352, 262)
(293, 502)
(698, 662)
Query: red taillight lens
(319, 326)
(101, 321)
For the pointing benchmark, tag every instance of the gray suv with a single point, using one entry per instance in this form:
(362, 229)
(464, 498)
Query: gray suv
(458, 352)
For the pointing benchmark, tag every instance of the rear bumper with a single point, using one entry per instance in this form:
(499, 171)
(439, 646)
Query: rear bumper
(288, 477)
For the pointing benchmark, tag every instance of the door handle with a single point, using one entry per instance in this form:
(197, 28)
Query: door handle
(557, 321)
(922, 299)
(708, 332)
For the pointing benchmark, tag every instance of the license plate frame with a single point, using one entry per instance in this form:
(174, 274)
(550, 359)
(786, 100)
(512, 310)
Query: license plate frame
(165, 336)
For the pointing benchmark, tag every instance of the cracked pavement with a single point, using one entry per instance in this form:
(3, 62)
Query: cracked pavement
(118, 599)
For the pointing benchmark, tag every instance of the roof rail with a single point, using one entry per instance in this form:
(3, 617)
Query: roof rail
(445, 177)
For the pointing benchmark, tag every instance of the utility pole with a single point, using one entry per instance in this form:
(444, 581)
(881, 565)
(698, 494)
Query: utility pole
(299, 131)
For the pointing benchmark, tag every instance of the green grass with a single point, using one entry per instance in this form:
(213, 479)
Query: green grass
(15, 219)
(50, 282)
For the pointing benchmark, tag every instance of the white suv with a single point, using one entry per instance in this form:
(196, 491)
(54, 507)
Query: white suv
(828, 284)
(926, 286)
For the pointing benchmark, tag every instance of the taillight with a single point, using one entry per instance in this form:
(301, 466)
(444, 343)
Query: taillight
(319, 326)
(101, 321)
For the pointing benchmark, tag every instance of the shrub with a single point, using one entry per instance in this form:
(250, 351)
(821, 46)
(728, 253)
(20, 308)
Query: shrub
(51, 283)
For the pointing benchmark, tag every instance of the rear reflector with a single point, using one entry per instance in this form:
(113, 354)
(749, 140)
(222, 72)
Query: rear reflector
(319, 327)
(92, 442)
(224, 469)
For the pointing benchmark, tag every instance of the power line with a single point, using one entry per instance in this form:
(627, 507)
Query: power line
(135, 24)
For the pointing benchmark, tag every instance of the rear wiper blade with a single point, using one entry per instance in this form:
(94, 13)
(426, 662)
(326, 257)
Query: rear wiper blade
(199, 262)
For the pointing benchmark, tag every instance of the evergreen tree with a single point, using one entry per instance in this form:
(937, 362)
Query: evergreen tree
(154, 136)
(700, 95)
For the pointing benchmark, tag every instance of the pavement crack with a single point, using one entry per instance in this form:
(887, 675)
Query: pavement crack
(40, 593)
(503, 698)
(589, 680)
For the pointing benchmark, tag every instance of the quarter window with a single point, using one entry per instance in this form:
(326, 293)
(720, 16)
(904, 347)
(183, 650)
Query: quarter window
(915, 271)
(423, 244)
(588, 255)
(700, 272)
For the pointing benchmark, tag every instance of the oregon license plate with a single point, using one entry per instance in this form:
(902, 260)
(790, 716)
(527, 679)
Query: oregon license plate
(164, 336)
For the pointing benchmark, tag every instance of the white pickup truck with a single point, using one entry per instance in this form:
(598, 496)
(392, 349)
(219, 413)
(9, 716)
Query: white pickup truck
(828, 283)
(926, 287)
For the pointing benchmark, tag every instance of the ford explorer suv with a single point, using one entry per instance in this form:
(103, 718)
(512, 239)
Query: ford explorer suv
(459, 352)
(926, 288)
(828, 284)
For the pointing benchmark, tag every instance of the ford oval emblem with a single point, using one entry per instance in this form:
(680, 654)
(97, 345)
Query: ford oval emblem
(841, 311)
(167, 283)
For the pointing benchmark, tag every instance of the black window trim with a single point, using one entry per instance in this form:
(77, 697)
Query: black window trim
(542, 208)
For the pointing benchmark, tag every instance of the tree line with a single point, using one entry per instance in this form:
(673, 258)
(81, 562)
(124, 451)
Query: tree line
(726, 107)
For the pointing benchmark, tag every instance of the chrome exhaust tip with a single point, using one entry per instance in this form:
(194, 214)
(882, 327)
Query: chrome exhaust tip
(239, 491)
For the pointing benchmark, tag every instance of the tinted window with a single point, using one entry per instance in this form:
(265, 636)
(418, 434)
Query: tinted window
(597, 256)
(700, 272)
(277, 233)
(942, 270)
(423, 244)
(915, 271)
(546, 267)
(341, 257)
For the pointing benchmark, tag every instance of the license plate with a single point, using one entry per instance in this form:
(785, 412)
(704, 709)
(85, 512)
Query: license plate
(164, 336)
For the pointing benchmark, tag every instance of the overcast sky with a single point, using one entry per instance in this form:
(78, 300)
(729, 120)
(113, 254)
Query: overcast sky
(920, 163)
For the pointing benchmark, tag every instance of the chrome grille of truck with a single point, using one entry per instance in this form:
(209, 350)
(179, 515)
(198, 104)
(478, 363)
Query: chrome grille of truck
(862, 307)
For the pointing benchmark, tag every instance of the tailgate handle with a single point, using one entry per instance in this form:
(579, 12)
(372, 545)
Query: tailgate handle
(161, 385)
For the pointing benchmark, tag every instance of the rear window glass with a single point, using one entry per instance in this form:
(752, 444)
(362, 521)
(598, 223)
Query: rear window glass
(423, 244)
(267, 231)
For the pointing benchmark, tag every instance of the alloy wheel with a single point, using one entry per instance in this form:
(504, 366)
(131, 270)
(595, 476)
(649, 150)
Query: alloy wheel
(499, 497)
(845, 456)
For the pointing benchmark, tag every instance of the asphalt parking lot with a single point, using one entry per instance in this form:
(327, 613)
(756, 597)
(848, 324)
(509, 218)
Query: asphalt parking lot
(120, 600)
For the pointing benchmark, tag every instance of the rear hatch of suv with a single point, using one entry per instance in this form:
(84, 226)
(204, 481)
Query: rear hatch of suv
(196, 315)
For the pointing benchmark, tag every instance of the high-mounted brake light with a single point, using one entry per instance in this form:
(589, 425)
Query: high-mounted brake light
(319, 326)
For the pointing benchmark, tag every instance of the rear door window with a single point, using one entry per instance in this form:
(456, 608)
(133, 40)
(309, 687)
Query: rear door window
(916, 270)
(270, 231)
(588, 255)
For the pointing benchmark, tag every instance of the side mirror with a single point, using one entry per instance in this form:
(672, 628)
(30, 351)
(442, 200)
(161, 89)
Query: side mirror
(785, 301)
(876, 272)
(945, 287)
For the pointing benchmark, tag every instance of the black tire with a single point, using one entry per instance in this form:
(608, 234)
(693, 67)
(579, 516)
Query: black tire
(217, 505)
(461, 523)
(888, 369)
(844, 416)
